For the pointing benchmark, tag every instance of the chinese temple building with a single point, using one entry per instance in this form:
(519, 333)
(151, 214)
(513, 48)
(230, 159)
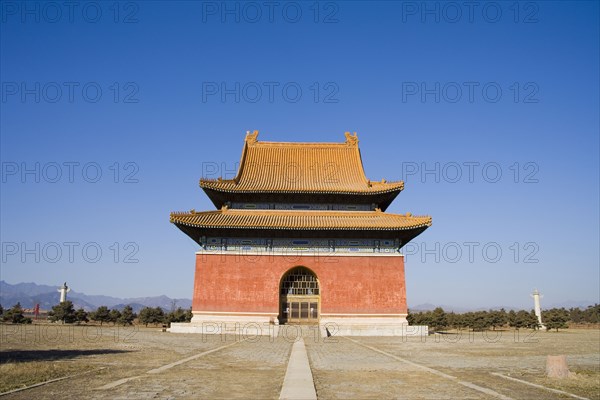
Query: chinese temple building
(300, 236)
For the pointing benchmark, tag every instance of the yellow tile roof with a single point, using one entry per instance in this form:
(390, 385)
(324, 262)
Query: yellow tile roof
(291, 167)
(294, 219)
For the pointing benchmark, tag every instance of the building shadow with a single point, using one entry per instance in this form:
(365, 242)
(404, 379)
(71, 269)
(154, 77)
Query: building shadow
(52, 354)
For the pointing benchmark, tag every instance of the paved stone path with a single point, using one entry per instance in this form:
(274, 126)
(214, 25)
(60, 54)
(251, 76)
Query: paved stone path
(435, 372)
(191, 366)
(343, 369)
(298, 383)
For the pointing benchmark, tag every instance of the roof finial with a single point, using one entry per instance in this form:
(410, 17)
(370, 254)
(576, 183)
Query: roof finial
(251, 138)
(351, 139)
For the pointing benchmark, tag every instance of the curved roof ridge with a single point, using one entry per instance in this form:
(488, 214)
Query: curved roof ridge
(252, 140)
(282, 144)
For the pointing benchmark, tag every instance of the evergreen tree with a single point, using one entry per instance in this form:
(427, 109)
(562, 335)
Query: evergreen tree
(522, 319)
(438, 319)
(15, 315)
(159, 315)
(102, 314)
(1, 309)
(511, 318)
(460, 322)
(145, 315)
(420, 318)
(534, 323)
(467, 318)
(592, 314)
(480, 321)
(177, 315)
(555, 318)
(81, 316)
(149, 315)
(576, 315)
(451, 319)
(63, 312)
(127, 316)
(114, 315)
(497, 318)
(424, 318)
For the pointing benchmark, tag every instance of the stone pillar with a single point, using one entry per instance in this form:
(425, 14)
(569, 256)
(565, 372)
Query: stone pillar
(556, 367)
(63, 290)
(537, 308)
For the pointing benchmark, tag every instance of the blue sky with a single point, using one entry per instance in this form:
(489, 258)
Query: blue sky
(499, 103)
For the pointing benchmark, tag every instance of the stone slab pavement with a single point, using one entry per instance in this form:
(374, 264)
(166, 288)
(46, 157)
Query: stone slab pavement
(302, 364)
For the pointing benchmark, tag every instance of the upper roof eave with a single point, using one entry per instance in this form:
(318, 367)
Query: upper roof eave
(301, 167)
(230, 186)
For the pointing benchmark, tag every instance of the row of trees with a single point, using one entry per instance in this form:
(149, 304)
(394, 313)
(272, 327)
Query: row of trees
(555, 318)
(104, 314)
(14, 315)
(438, 319)
(156, 315)
(148, 315)
(66, 313)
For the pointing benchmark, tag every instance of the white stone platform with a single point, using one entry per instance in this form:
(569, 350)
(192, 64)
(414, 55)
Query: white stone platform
(256, 329)
(369, 325)
(265, 325)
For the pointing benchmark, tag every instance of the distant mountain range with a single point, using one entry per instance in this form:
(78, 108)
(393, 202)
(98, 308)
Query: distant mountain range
(30, 294)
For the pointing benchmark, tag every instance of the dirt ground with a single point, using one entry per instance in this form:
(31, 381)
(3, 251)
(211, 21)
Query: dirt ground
(139, 363)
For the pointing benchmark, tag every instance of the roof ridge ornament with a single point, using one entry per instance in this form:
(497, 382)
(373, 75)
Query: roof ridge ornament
(351, 140)
(251, 138)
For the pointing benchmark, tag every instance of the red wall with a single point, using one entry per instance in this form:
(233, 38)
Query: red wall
(348, 284)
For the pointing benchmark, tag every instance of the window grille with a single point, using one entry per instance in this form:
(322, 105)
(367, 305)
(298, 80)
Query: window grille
(300, 281)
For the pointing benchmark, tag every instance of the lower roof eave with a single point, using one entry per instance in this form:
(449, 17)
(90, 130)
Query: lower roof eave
(403, 235)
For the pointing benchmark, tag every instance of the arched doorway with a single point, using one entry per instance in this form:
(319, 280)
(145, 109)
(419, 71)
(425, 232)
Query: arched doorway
(299, 297)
